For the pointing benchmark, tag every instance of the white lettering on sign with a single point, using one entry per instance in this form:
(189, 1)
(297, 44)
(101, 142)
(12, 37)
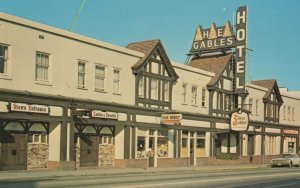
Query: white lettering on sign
(241, 39)
(213, 43)
(171, 119)
(241, 16)
(104, 115)
(32, 108)
(240, 67)
(239, 121)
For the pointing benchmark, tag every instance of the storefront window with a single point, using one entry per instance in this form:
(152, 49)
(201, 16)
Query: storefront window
(184, 144)
(162, 143)
(37, 138)
(106, 140)
(141, 143)
(200, 144)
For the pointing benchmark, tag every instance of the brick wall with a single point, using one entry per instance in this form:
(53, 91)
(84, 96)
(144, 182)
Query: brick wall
(37, 156)
(106, 155)
(243, 160)
(173, 162)
(131, 163)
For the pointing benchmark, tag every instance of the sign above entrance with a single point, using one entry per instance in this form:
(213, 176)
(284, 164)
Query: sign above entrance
(171, 119)
(288, 131)
(32, 108)
(239, 121)
(104, 115)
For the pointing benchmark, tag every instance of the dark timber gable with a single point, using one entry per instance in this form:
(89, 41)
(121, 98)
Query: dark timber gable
(221, 100)
(272, 100)
(154, 75)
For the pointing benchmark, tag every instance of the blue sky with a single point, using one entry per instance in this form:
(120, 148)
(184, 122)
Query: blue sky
(273, 27)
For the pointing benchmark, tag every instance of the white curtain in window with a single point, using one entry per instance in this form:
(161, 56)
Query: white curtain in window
(100, 78)
(154, 88)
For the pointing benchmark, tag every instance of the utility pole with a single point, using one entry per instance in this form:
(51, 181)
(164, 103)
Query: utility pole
(77, 15)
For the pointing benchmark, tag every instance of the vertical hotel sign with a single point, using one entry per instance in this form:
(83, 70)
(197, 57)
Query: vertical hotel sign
(241, 40)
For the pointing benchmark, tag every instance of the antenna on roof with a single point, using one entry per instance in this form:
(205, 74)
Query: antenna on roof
(77, 15)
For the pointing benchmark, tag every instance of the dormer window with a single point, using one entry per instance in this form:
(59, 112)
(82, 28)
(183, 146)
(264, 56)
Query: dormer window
(154, 75)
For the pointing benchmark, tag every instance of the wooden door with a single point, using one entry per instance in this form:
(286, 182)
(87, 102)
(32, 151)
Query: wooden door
(13, 151)
(89, 151)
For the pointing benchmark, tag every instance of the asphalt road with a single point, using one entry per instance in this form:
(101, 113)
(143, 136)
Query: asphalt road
(256, 178)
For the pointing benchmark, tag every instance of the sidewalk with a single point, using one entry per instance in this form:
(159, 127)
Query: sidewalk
(44, 174)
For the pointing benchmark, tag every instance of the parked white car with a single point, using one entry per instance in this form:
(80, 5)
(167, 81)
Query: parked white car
(286, 159)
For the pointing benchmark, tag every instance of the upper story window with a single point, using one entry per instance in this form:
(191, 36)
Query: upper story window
(194, 95)
(293, 113)
(184, 89)
(81, 74)
(116, 81)
(289, 113)
(100, 78)
(203, 97)
(256, 106)
(284, 107)
(141, 86)
(166, 91)
(227, 103)
(250, 104)
(3, 58)
(42, 66)
(154, 88)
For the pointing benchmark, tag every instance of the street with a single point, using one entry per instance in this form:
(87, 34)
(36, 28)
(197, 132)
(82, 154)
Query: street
(264, 178)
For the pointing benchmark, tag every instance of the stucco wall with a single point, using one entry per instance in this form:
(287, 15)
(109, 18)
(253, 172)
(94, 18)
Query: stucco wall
(65, 51)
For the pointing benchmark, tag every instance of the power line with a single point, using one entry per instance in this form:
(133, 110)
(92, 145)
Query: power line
(77, 15)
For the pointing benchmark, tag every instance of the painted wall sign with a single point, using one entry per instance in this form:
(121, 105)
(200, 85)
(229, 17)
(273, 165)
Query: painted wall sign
(32, 108)
(239, 121)
(288, 131)
(241, 39)
(171, 119)
(104, 115)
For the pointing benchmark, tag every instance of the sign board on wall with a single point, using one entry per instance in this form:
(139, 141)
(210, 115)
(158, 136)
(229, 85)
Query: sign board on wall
(288, 131)
(104, 115)
(239, 121)
(30, 108)
(171, 119)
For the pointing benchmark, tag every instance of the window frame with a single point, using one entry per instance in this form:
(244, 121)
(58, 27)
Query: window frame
(184, 93)
(154, 90)
(203, 97)
(100, 77)
(117, 80)
(6, 59)
(82, 73)
(44, 67)
(194, 95)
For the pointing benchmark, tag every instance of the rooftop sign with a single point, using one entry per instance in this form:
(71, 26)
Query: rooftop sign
(213, 38)
(225, 37)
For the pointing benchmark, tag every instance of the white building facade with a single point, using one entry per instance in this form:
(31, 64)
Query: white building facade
(69, 101)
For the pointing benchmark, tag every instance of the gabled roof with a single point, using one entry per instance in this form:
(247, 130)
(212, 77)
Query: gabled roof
(148, 48)
(270, 85)
(215, 64)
